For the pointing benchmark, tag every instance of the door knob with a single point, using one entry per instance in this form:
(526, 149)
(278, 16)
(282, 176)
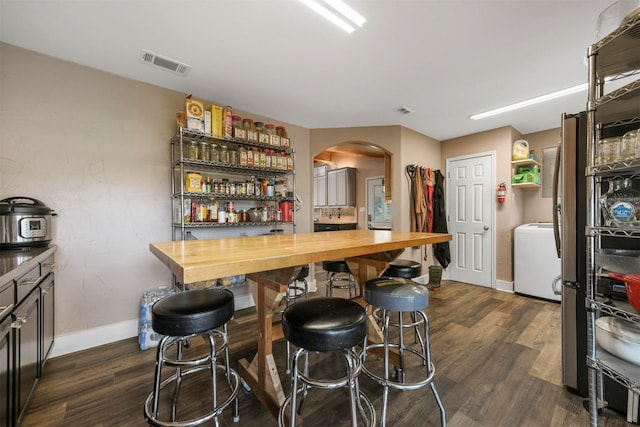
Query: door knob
(486, 227)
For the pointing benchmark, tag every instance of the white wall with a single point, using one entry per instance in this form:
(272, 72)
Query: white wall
(95, 148)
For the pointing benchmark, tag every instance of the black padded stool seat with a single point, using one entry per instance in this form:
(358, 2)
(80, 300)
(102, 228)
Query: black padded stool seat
(336, 266)
(304, 272)
(325, 324)
(396, 294)
(404, 268)
(192, 312)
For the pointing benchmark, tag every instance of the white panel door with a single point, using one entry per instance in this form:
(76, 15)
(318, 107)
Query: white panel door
(470, 217)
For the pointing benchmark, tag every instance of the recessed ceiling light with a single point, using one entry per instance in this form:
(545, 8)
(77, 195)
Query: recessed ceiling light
(532, 101)
(343, 11)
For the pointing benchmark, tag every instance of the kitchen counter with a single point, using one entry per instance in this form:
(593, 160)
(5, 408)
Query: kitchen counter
(16, 262)
(197, 260)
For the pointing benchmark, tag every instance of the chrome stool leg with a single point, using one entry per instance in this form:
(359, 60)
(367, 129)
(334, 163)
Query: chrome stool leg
(402, 296)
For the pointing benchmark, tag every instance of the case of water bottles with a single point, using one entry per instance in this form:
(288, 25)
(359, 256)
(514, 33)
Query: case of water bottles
(147, 337)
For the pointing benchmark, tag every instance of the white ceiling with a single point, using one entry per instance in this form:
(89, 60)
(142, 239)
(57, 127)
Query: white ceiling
(445, 60)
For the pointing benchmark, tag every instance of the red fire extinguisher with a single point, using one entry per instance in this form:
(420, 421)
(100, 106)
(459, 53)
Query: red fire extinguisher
(502, 192)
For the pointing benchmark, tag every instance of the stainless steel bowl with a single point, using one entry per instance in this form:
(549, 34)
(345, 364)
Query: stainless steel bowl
(623, 261)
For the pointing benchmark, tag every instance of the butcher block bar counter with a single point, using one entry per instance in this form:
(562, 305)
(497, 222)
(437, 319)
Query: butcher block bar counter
(271, 261)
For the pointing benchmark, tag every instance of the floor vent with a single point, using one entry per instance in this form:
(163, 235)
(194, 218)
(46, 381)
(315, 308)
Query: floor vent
(162, 62)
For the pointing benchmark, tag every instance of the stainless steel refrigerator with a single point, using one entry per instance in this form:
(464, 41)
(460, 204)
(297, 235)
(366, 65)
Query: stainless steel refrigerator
(569, 219)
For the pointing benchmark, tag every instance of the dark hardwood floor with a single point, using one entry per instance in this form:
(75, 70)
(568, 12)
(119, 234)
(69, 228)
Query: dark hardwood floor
(497, 358)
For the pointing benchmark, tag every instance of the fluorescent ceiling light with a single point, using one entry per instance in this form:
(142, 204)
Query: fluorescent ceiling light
(532, 101)
(339, 6)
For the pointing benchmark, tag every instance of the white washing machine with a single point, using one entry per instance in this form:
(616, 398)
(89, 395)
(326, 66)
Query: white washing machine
(536, 264)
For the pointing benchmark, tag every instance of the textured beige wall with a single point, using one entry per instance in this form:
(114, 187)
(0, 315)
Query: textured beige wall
(95, 147)
(538, 208)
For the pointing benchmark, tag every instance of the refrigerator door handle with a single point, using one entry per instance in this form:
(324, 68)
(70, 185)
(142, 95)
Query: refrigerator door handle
(556, 204)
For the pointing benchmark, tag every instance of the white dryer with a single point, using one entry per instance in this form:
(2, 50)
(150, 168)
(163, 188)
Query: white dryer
(536, 264)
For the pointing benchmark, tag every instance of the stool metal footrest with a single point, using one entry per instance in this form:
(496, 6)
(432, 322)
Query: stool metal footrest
(187, 367)
(399, 383)
(358, 399)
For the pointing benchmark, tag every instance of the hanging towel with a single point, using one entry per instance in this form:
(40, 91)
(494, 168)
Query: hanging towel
(440, 250)
(429, 185)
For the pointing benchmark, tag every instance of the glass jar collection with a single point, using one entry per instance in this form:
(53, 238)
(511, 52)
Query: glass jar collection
(618, 149)
(210, 211)
(253, 157)
(251, 187)
(265, 133)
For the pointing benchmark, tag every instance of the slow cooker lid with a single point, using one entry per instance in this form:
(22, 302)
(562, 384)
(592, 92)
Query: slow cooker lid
(23, 205)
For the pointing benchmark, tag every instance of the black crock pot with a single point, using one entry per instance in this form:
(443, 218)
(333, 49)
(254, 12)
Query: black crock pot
(24, 222)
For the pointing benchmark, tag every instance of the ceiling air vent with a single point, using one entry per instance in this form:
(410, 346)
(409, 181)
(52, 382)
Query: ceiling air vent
(166, 63)
(404, 110)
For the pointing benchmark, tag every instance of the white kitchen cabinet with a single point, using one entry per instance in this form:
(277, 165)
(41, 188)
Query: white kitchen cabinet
(320, 186)
(341, 187)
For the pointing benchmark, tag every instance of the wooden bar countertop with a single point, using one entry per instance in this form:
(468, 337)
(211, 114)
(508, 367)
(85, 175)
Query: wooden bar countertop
(196, 260)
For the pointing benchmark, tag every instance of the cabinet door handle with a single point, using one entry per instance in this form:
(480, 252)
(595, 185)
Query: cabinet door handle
(25, 282)
(49, 264)
(19, 322)
(5, 310)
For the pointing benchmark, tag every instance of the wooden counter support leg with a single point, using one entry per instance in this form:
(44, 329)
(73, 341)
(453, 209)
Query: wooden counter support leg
(262, 375)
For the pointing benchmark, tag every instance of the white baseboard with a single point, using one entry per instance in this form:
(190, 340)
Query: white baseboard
(504, 286)
(94, 337)
(101, 335)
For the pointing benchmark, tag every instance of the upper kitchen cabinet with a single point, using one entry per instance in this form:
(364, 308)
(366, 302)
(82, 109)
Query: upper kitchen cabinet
(320, 186)
(341, 187)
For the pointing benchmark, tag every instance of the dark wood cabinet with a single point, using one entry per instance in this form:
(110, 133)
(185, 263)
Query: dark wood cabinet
(27, 363)
(6, 372)
(26, 328)
(334, 227)
(46, 318)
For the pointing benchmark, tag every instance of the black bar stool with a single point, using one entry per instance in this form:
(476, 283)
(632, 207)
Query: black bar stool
(406, 269)
(295, 292)
(401, 295)
(325, 325)
(182, 317)
(339, 277)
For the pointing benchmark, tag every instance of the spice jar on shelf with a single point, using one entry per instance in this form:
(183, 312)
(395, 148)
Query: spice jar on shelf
(284, 138)
(214, 154)
(263, 138)
(251, 156)
(274, 139)
(267, 158)
(263, 158)
(242, 156)
(238, 129)
(203, 152)
(224, 154)
(233, 157)
(250, 129)
(191, 150)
